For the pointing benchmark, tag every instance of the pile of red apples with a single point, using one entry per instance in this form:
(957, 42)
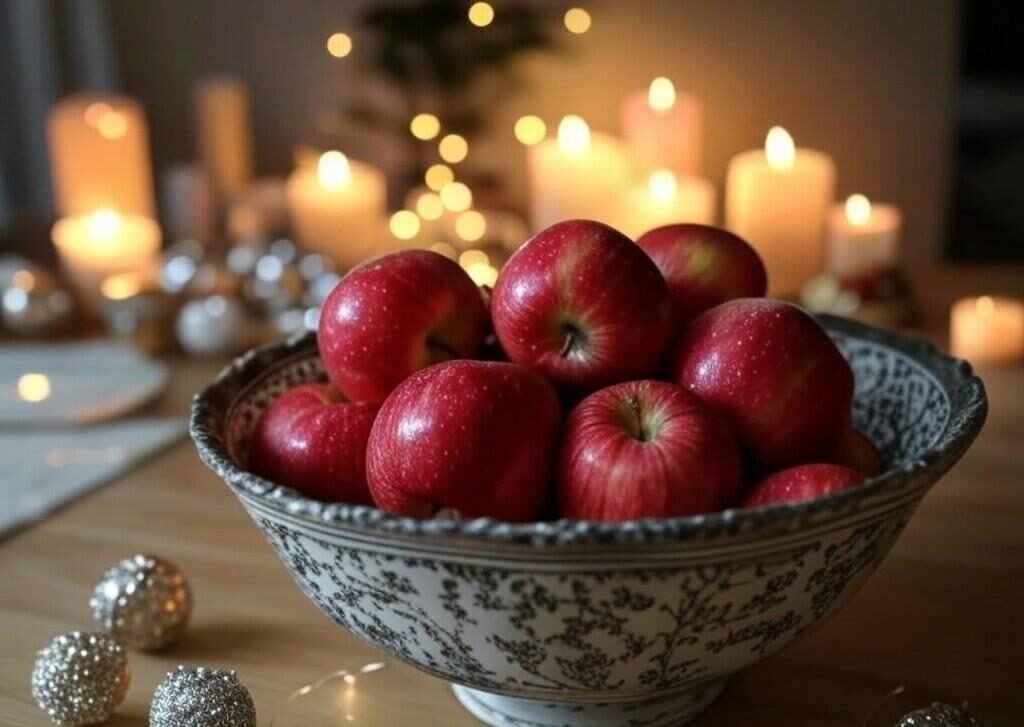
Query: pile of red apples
(601, 379)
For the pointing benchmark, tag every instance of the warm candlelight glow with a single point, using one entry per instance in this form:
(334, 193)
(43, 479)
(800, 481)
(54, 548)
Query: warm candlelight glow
(96, 111)
(112, 125)
(438, 175)
(104, 224)
(339, 45)
(425, 126)
(577, 20)
(120, 287)
(333, 170)
(405, 225)
(662, 94)
(453, 148)
(662, 186)
(456, 197)
(429, 206)
(779, 149)
(573, 136)
(23, 280)
(34, 387)
(987, 330)
(530, 130)
(470, 225)
(481, 14)
(473, 257)
(985, 306)
(443, 248)
(858, 210)
(483, 274)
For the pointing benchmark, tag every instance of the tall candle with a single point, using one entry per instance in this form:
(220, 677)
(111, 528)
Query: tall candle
(579, 175)
(664, 128)
(863, 237)
(987, 330)
(99, 155)
(224, 132)
(95, 246)
(188, 203)
(663, 200)
(337, 208)
(778, 199)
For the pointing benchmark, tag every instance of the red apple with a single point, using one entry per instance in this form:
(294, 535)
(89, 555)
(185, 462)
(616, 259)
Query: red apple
(476, 437)
(703, 266)
(314, 440)
(857, 452)
(395, 315)
(646, 449)
(582, 304)
(774, 374)
(804, 482)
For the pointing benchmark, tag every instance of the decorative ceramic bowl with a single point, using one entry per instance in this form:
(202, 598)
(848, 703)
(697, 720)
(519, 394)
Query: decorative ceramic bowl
(573, 623)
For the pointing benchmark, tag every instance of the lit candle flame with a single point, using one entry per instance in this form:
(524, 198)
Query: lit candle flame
(120, 287)
(858, 210)
(661, 95)
(333, 170)
(779, 149)
(34, 387)
(573, 136)
(985, 306)
(662, 186)
(104, 224)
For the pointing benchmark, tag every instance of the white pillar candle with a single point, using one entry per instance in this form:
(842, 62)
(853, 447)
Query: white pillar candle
(337, 208)
(224, 133)
(99, 155)
(665, 199)
(664, 129)
(777, 199)
(188, 203)
(987, 330)
(863, 237)
(579, 175)
(96, 246)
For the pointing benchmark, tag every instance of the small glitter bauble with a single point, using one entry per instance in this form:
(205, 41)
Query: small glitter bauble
(201, 698)
(143, 601)
(939, 715)
(81, 678)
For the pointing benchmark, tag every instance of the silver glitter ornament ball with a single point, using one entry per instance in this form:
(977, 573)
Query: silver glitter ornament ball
(80, 678)
(144, 602)
(202, 698)
(939, 715)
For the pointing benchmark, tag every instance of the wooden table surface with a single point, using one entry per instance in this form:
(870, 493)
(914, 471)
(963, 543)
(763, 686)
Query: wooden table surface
(941, 617)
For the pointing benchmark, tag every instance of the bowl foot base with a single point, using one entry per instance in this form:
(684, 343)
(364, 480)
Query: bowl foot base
(501, 711)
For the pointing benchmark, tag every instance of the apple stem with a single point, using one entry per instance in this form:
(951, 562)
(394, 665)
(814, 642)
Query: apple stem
(574, 338)
(639, 431)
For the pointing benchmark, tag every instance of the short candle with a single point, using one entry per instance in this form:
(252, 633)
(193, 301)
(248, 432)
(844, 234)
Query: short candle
(987, 329)
(863, 237)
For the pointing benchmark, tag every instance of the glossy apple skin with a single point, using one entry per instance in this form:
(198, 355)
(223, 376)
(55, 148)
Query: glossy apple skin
(646, 449)
(476, 437)
(582, 304)
(803, 482)
(395, 315)
(704, 266)
(857, 452)
(313, 440)
(774, 374)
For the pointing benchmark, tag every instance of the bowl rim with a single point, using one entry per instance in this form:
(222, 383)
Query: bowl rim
(964, 390)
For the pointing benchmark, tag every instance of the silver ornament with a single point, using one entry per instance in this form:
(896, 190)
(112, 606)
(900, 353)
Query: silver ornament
(939, 715)
(32, 303)
(274, 286)
(202, 698)
(80, 678)
(212, 326)
(144, 602)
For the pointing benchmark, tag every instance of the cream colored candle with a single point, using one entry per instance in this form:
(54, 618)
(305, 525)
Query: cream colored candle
(987, 330)
(337, 208)
(863, 237)
(579, 175)
(224, 133)
(96, 246)
(664, 129)
(777, 199)
(188, 203)
(665, 199)
(99, 155)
